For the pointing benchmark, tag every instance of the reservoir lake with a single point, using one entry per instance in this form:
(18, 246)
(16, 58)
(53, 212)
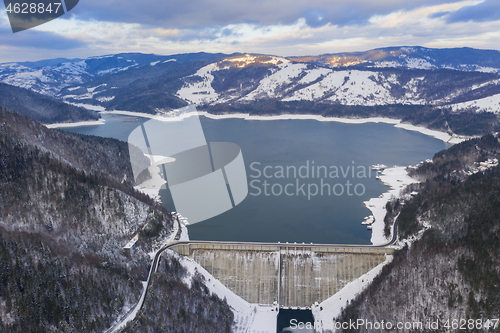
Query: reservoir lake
(318, 155)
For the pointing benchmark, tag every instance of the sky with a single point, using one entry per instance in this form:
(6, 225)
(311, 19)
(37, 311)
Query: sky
(278, 27)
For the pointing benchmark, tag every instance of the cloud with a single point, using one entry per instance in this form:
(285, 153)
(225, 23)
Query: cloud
(38, 40)
(309, 28)
(316, 18)
(227, 32)
(195, 14)
(488, 10)
(438, 14)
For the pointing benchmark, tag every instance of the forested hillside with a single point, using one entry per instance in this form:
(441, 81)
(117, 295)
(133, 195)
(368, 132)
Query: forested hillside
(42, 108)
(173, 306)
(453, 270)
(63, 225)
(87, 153)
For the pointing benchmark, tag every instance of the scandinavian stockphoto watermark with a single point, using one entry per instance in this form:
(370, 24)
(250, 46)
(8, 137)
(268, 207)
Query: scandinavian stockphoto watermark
(308, 179)
(26, 14)
(205, 179)
(428, 325)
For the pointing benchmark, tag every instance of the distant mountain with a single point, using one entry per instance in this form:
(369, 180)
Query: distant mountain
(48, 62)
(51, 76)
(413, 57)
(42, 108)
(430, 81)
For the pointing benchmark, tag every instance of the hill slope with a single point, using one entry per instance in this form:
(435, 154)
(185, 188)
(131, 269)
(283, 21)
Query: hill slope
(452, 271)
(63, 225)
(42, 108)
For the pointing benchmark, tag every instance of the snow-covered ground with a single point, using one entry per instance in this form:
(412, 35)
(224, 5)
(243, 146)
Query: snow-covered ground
(417, 63)
(90, 107)
(488, 104)
(80, 123)
(347, 87)
(354, 87)
(184, 233)
(201, 91)
(397, 179)
(153, 185)
(313, 75)
(270, 85)
(74, 68)
(247, 59)
(443, 136)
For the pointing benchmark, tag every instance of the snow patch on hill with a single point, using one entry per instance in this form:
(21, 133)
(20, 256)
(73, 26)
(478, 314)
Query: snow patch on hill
(248, 59)
(357, 87)
(73, 68)
(330, 83)
(487, 69)
(397, 179)
(418, 63)
(47, 80)
(12, 67)
(313, 75)
(361, 88)
(94, 88)
(487, 104)
(351, 88)
(243, 60)
(201, 91)
(271, 85)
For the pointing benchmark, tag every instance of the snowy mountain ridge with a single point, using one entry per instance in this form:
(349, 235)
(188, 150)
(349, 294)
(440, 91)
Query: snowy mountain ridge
(49, 80)
(458, 79)
(290, 81)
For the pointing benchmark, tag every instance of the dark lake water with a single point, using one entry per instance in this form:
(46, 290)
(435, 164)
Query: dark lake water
(292, 144)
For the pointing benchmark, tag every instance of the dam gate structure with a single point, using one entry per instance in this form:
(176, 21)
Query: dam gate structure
(291, 275)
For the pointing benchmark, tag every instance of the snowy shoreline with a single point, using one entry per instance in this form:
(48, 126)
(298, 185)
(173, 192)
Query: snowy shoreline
(397, 179)
(396, 122)
(178, 117)
(152, 186)
(79, 123)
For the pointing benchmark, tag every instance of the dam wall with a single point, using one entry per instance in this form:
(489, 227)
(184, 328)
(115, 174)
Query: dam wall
(291, 275)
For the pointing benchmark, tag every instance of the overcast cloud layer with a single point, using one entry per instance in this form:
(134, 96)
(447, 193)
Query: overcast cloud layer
(203, 13)
(282, 27)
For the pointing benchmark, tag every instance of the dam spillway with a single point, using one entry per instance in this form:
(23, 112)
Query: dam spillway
(291, 275)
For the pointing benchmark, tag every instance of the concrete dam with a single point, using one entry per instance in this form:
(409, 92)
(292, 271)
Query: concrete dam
(291, 275)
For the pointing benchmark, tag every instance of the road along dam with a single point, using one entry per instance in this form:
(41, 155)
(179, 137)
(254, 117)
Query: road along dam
(291, 275)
